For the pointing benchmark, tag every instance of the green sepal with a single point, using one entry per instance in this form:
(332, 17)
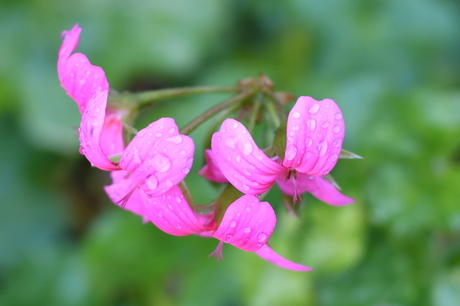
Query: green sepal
(279, 141)
(115, 158)
(349, 155)
(227, 197)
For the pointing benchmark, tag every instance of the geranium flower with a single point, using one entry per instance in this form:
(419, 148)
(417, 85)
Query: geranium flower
(315, 131)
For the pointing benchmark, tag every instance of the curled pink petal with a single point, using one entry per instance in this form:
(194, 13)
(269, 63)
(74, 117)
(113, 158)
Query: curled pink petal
(315, 131)
(171, 213)
(111, 140)
(319, 187)
(247, 223)
(90, 130)
(268, 254)
(211, 171)
(241, 161)
(159, 157)
(70, 40)
(82, 80)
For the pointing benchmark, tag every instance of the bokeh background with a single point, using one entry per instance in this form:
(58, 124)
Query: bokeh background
(393, 67)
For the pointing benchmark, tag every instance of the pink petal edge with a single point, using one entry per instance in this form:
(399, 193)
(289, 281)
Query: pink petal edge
(268, 254)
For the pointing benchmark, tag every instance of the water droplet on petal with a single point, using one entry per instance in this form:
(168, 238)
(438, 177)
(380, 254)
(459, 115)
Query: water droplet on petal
(230, 142)
(178, 199)
(82, 151)
(262, 237)
(336, 129)
(325, 125)
(219, 138)
(233, 223)
(295, 128)
(338, 116)
(169, 183)
(314, 108)
(175, 139)
(291, 152)
(160, 214)
(296, 115)
(235, 125)
(247, 229)
(238, 158)
(248, 209)
(182, 152)
(161, 162)
(151, 182)
(229, 238)
(309, 142)
(259, 245)
(171, 130)
(334, 157)
(255, 183)
(322, 146)
(247, 148)
(311, 123)
(337, 142)
(158, 134)
(185, 170)
(245, 187)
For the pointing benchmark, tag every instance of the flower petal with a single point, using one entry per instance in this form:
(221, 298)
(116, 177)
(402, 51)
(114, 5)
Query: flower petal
(211, 171)
(241, 161)
(159, 157)
(315, 131)
(82, 80)
(111, 140)
(319, 187)
(70, 40)
(90, 130)
(247, 223)
(124, 193)
(171, 213)
(268, 254)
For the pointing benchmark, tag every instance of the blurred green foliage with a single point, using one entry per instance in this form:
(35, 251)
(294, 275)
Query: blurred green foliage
(392, 66)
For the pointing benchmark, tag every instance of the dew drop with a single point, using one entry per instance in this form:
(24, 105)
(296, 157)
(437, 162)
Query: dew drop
(255, 183)
(238, 158)
(291, 153)
(295, 128)
(247, 229)
(219, 138)
(246, 172)
(175, 139)
(334, 157)
(182, 152)
(230, 142)
(82, 151)
(229, 238)
(151, 182)
(160, 214)
(233, 223)
(296, 115)
(235, 125)
(245, 187)
(171, 130)
(82, 82)
(337, 142)
(248, 209)
(161, 162)
(325, 125)
(149, 196)
(314, 109)
(336, 129)
(185, 170)
(169, 183)
(311, 123)
(158, 134)
(338, 116)
(262, 237)
(247, 148)
(259, 245)
(309, 142)
(178, 199)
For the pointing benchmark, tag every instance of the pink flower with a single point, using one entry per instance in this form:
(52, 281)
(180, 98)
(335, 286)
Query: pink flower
(101, 128)
(315, 131)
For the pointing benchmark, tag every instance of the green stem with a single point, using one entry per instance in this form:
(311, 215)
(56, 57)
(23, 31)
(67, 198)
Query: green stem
(148, 97)
(187, 195)
(279, 108)
(190, 127)
(254, 114)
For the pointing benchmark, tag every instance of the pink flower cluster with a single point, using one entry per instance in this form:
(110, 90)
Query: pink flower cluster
(146, 176)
